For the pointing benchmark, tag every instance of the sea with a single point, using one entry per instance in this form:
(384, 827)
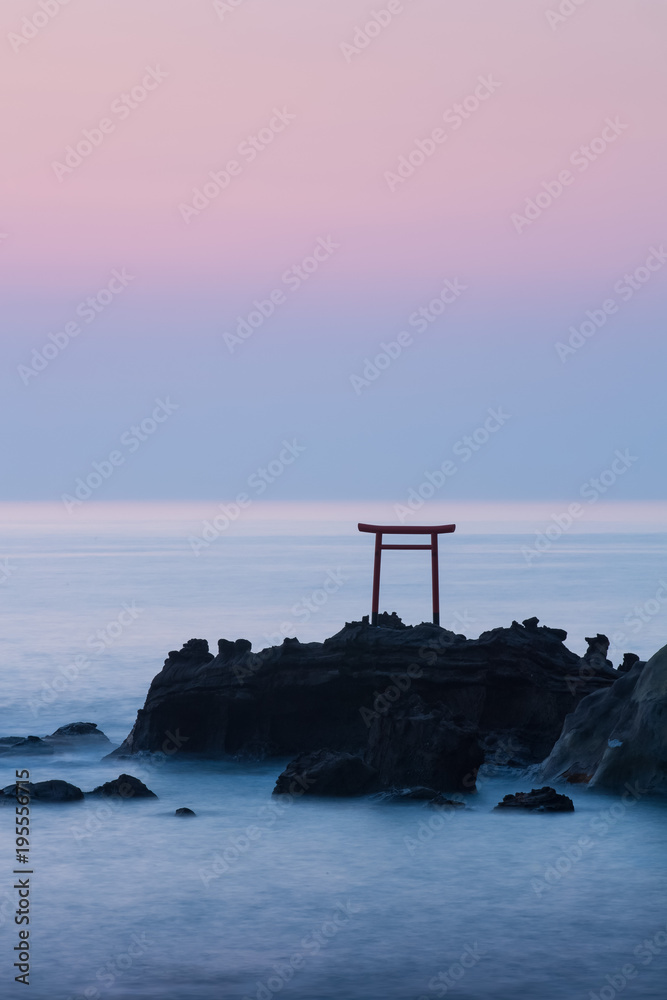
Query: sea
(313, 899)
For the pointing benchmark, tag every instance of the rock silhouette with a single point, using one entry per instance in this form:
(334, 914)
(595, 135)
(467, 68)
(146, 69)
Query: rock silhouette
(511, 687)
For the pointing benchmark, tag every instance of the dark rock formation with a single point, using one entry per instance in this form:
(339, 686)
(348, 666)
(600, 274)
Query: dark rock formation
(30, 746)
(45, 791)
(184, 811)
(7, 741)
(514, 685)
(125, 786)
(596, 654)
(326, 773)
(418, 745)
(618, 735)
(538, 800)
(78, 734)
(629, 660)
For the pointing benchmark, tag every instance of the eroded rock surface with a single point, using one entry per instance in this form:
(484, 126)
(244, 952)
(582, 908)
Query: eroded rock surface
(513, 686)
(618, 735)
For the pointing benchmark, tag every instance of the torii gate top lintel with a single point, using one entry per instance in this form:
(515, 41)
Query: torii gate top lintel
(400, 529)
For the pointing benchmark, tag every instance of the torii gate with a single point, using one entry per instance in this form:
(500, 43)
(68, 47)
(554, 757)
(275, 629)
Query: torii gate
(382, 529)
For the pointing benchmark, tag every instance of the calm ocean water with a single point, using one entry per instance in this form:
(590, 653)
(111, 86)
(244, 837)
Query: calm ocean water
(131, 902)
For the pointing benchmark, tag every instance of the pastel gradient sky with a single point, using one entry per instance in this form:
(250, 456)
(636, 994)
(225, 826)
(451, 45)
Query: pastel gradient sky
(222, 73)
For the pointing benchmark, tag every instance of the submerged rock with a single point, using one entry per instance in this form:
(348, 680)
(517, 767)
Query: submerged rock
(45, 791)
(325, 772)
(538, 800)
(73, 736)
(296, 698)
(184, 811)
(420, 794)
(125, 786)
(30, 746)
(618, 736)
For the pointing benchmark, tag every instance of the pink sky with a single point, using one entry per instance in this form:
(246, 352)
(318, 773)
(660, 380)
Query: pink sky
(353, 121)
(552, 87)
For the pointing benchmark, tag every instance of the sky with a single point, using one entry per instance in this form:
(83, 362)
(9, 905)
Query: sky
(315, 251)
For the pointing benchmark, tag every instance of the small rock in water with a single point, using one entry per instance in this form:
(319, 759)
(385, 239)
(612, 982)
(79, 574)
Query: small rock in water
(538, 800)
(184, 811)
(78, 734)
(125, 786)
(441, 802)
(45, 791)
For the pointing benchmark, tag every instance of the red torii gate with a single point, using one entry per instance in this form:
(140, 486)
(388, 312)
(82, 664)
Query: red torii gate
(382, 529)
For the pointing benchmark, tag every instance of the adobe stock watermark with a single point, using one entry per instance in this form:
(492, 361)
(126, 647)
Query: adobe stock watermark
(625, 288)
(95, 819)
(130, 442)
(34, 23)
(121, 108)
(293, 278)
(98, 641)
(366, 32)
(581, 158)
(259, 481)
(268, 815)
(641, 616)
(87, 310)
(401, 683)
(447, 979)
(454, 117)
(599, 826)
(465, 448)
(248, 151)
(645, 952)
(590, 491)
(7, 570)
(311, 604)
(420, 321)
(225, 7)
(442, 815)
(107, 974)
(312, 944)
(564, 11)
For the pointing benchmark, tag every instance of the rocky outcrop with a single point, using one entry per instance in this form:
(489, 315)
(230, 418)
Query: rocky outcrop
(514, 686)
(596, 654)
(538, 800)
(125, 786)
(326, 773)
(45, 791)
(618, 735)
(184, 811)
(418, 745)
(629, 660)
